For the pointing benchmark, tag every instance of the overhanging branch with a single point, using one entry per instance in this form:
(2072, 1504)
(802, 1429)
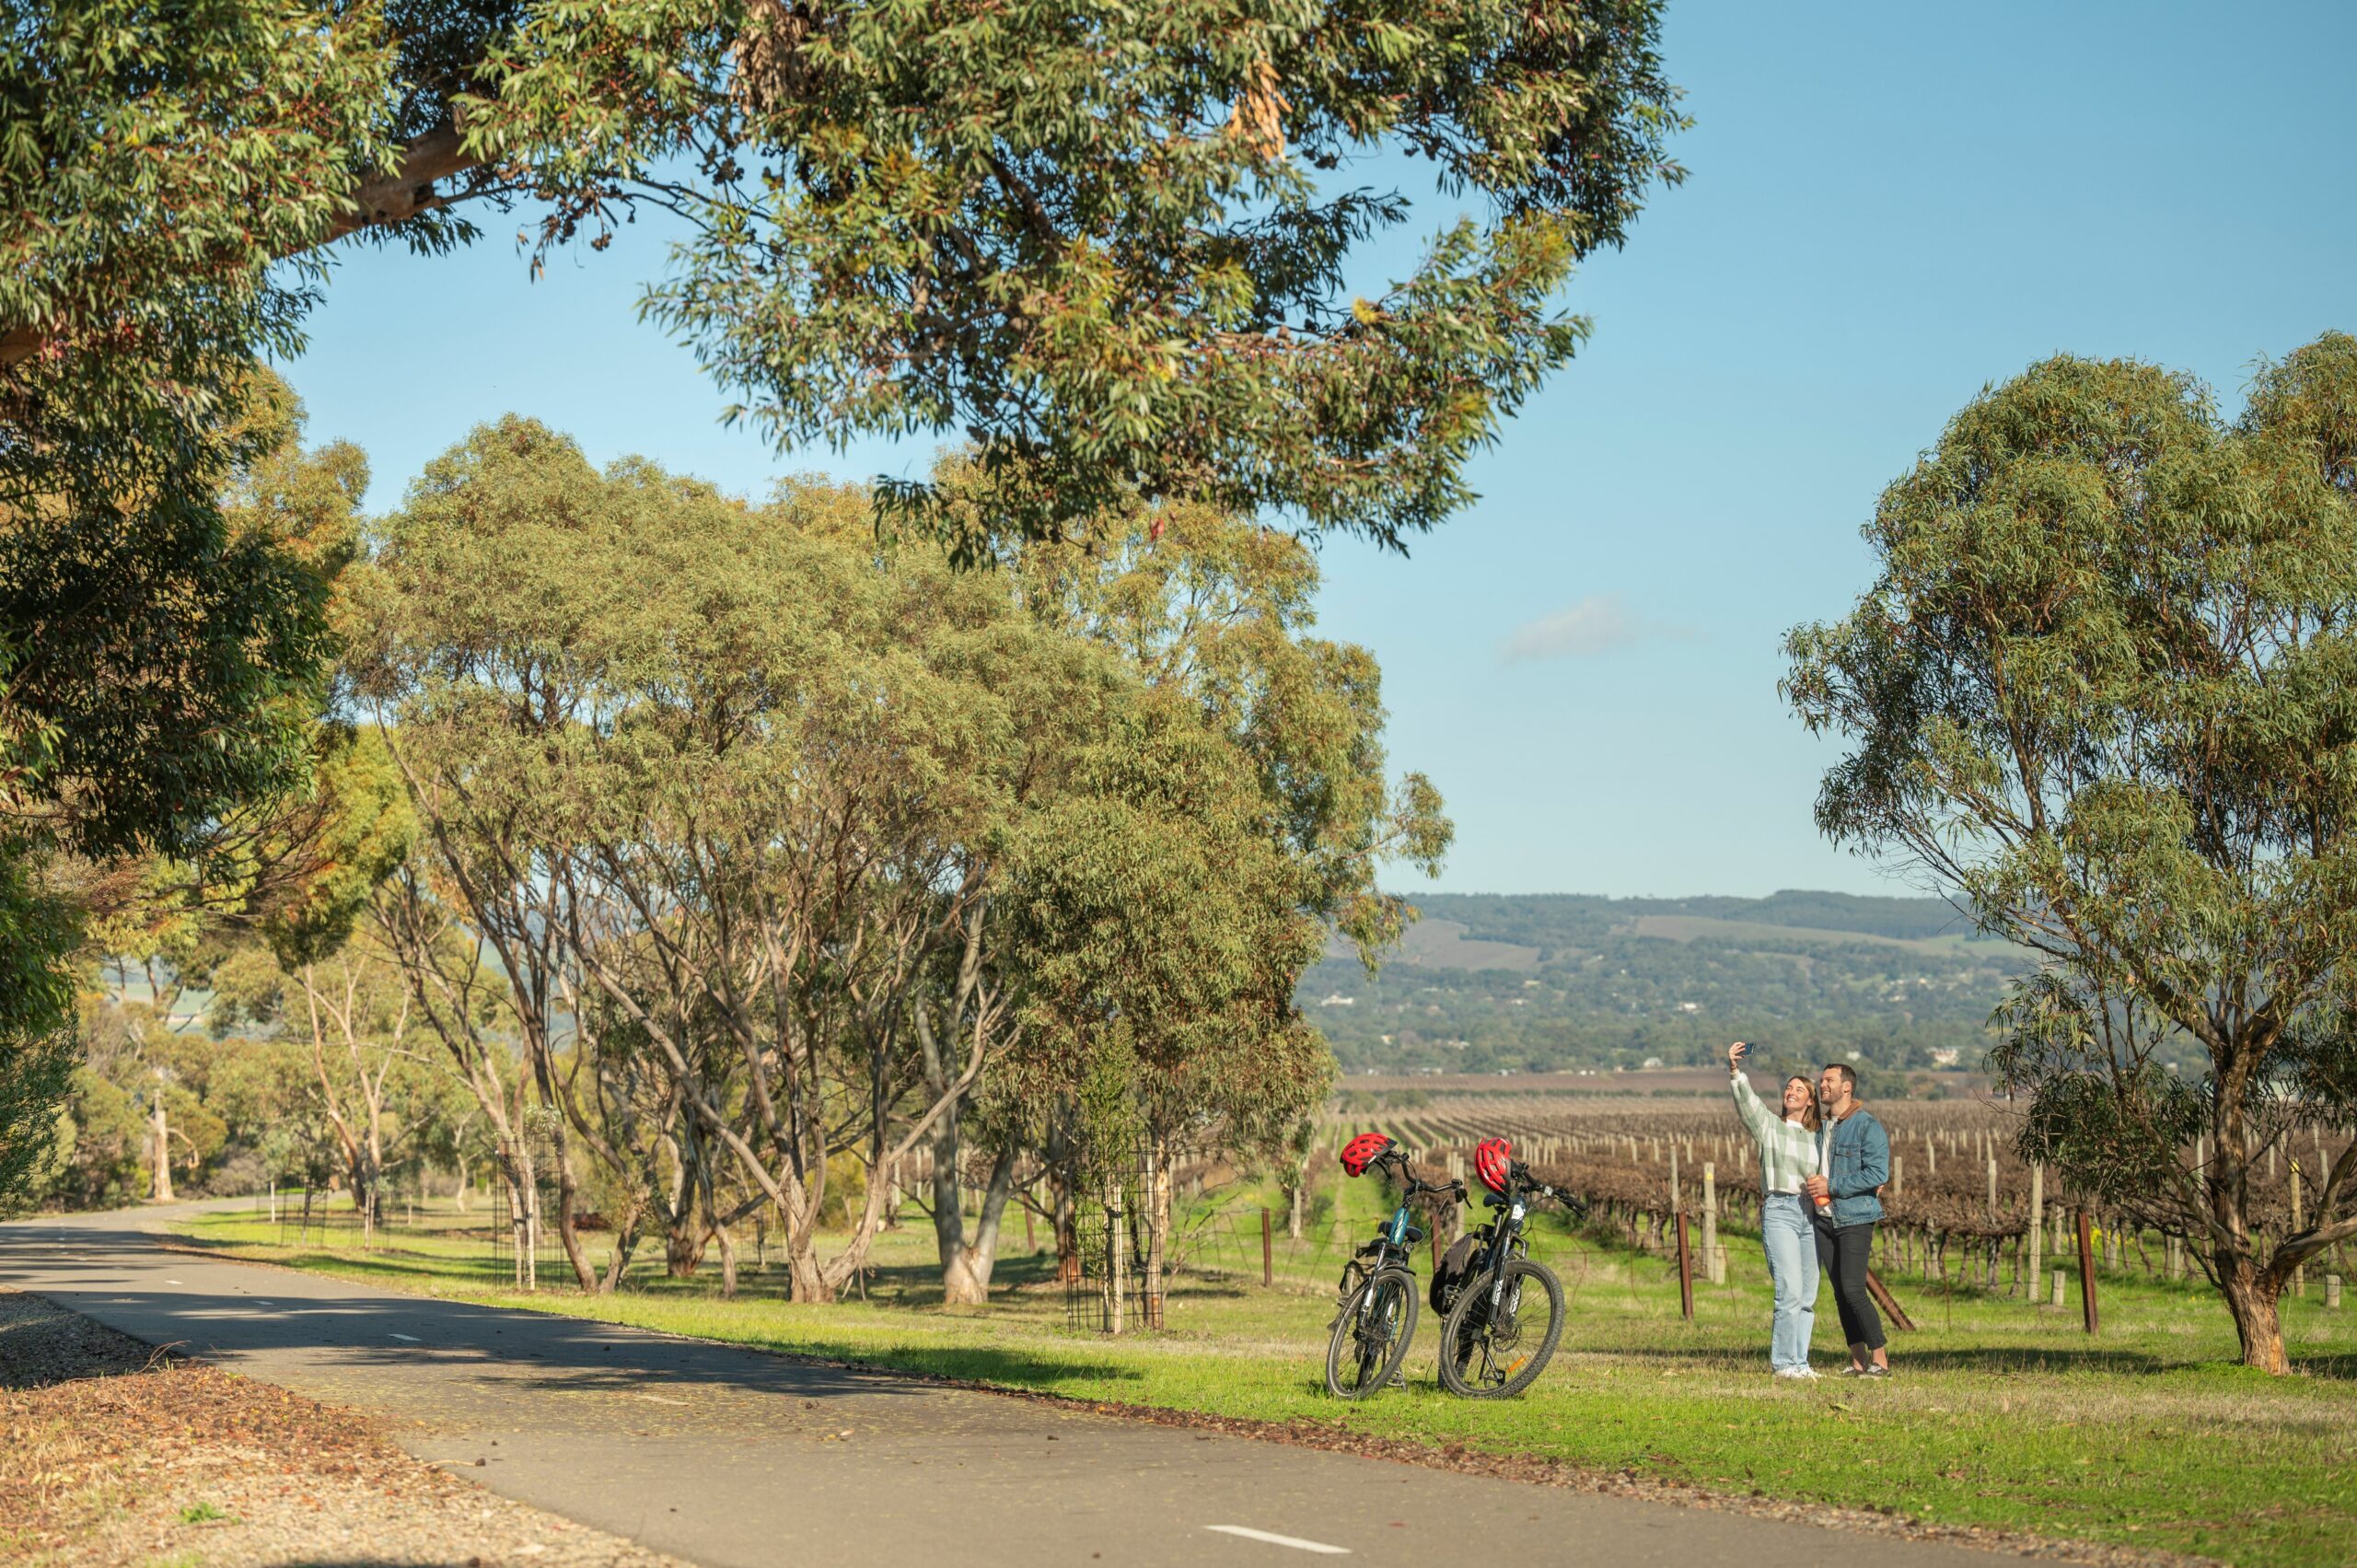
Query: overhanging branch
(407, 190)
(393, 196)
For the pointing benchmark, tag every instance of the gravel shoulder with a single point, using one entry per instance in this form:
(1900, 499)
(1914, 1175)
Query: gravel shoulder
(113, 1452)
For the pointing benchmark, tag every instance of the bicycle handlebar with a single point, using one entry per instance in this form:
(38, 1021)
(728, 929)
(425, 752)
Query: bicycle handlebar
(1417, 1185)
(1526, 1183)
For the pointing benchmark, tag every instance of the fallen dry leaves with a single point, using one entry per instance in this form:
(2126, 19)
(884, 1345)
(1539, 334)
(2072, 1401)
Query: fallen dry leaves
(113, 1452)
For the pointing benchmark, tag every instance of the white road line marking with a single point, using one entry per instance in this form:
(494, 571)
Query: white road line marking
(1294, 1541)
(171, 1282)
(411, 1338)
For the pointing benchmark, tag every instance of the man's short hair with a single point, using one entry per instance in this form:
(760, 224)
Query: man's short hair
(1849, 1074)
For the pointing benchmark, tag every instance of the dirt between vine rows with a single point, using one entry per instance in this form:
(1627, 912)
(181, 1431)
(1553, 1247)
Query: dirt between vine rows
(113, 1452)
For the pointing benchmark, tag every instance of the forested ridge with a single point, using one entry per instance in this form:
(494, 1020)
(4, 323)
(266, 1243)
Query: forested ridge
(1540, 982)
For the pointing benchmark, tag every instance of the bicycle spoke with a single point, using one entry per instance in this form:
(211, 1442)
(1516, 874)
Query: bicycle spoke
(1497, 1343)
(1372, 1335)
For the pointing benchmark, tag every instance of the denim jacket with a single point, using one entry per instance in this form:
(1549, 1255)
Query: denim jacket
(1860, 1164)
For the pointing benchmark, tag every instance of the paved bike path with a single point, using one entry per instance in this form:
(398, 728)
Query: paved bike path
(735, 1460)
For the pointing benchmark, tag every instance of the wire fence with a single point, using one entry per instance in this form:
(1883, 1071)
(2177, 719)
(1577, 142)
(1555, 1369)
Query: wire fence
(331, 1220)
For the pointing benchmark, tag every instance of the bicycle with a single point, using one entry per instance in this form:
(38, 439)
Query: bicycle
(1490, 1347)
(1375, 1316)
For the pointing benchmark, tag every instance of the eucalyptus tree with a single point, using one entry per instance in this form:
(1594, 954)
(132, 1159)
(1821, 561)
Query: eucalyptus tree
(1107, 244)
(2099, 693)
(349, 1008)
(493, 1040)
(1240, 810)
(656, 1166)
(297, 842)
(1230, 807)
(722, 785)
(1162, 933)
(1111, 247)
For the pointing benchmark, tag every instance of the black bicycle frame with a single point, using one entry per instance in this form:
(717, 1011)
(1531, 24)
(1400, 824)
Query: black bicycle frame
(1395, 1241)
(1507, 1212)
(1505, 1229)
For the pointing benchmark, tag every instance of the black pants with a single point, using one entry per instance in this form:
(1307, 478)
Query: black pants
(1843, 1254)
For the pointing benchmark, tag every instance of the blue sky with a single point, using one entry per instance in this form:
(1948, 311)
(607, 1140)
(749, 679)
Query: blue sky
(1891, 206)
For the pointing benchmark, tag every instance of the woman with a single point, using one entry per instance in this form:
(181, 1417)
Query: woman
(1788, 1154)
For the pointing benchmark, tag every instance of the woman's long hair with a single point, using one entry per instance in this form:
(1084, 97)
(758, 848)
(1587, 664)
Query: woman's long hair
(1809, 1118)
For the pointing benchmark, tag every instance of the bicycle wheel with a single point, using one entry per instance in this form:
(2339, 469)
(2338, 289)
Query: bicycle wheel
(1489, 1351)
(1370, 1339)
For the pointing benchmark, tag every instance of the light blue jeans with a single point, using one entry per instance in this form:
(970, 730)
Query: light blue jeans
(1791, 1242)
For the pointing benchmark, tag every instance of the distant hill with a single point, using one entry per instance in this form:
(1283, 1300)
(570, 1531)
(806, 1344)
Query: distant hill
(1489, 983)
(1546, 920)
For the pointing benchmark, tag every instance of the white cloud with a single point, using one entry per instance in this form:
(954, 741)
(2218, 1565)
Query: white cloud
(1595, 624)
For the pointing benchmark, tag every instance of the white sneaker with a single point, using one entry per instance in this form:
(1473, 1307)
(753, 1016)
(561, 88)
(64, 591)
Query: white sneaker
(1798, 1374)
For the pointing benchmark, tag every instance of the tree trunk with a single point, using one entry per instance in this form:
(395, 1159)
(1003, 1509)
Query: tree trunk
(963, 1280)
(1116, 1277)
(683, 1244)
(625, 1242)
(507, 1178)
(161, 1130)
(958, 1286)
(967, 1266)
(568, 1192)
(1066, 1224)
(805, 1277)
(2251, 1294)
(1157, 1243)
(517, 1171)
(568, 1199)
(365, 1177)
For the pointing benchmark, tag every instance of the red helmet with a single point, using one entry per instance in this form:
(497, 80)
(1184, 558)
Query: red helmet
(1360, 1150)
(1493, 1163)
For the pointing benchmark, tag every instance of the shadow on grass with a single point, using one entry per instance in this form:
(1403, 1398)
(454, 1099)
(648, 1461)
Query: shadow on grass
(1994, 1360)
(2342, 1368)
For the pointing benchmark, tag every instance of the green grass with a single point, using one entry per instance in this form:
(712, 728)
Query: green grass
(1999, 1415)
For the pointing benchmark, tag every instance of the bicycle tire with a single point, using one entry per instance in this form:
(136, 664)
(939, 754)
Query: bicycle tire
(1468, 1353)
(1390, 1298)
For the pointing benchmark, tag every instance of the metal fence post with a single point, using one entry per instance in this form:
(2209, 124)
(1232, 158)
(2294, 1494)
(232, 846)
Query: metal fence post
(1684, 1272)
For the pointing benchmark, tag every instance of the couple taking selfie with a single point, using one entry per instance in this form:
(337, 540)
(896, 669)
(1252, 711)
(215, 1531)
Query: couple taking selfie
(1823, 1160)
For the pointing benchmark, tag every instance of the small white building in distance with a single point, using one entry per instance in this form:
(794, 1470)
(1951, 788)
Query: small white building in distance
(1339, 1000)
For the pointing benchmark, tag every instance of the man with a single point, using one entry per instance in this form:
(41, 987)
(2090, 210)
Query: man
(1855, 1164)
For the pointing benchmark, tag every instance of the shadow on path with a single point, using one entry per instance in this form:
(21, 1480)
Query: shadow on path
(308, 1314)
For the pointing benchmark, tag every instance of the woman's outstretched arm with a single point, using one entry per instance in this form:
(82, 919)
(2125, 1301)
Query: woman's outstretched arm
(1748, 1103)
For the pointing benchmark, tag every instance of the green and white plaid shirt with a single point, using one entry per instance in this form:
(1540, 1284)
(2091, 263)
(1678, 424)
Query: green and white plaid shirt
(1788, 1151)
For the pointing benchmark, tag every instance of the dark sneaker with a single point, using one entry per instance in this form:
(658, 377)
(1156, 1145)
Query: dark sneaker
(1876, 1372)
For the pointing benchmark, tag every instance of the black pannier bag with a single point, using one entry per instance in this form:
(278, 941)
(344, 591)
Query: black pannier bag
(1455, 1267)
